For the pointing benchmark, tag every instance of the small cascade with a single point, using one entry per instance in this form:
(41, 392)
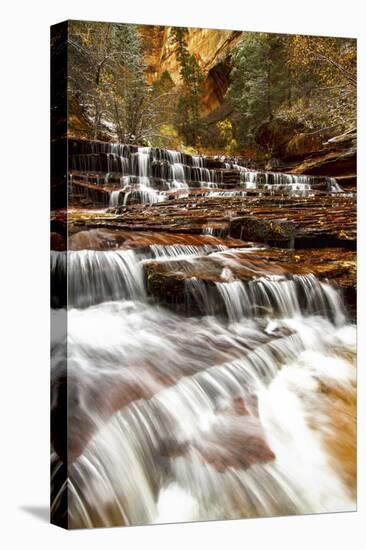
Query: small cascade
(270, 296)
(277, 296)
(143, 163)
(144, 194)
(288, 188)
(197, 161)
(206, 375)
(221, 426)
(279, 182)
(141, 169)
(97, 276)
(114, 199)
(183, 250)
(333, 186)
(174, 157)
(225, 194)
(149, 171)
(275, 181)
(167, 170)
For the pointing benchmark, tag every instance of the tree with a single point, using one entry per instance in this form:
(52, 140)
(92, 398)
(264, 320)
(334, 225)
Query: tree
(302, 82)
(260, 80)
(88, 56)
(329, 67)
(107, 78)
(188, 120)
(226, 139)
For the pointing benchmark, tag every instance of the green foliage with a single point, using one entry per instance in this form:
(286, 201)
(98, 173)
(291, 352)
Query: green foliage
(304, 80)
(168, 137)
(165, 102)
(260, 80)
(163, 84)
(188, 120)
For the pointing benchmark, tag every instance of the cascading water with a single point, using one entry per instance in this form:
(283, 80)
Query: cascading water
(183, 250)
(147, 175)
(281, 296)
(98, 276)
(333, 186)
(207, 377)
(224, 414)
(114, 198)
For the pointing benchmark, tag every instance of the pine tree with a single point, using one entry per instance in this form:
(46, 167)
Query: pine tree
(260, 80)
(188, 119)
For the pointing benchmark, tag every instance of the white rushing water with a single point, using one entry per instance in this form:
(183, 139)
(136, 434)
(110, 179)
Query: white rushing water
(145, 174)
(114, 198)
(213, 416)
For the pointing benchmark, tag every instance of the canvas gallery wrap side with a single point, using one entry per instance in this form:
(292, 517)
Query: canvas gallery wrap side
(203, 268)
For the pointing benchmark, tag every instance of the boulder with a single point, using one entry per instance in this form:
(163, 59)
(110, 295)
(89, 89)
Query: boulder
(272, 232)
(304, 144)
(313, 154)
(330, 163)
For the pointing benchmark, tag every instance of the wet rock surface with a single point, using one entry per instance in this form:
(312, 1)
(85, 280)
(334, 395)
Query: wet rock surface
(318, 220)
(274, 232)
(210, 311)
(167, 281)
(302, 225)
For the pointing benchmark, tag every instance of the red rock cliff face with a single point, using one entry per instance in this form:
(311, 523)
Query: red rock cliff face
(212, 49)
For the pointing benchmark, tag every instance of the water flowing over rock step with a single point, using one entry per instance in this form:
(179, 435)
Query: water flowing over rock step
(142, 241)
(102, 183)
(336, 158)
(143, 381)
(77, 149)
(225, 177)
(193, 272)
(244, 282)
(219, 368)
(151, 175)
(224, 418)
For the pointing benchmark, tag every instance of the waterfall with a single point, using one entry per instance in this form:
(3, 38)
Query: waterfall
(183, 250)
(279, 296)
(197, 161)
(204, 380)
(333, 186)
(97, 276)
(183, 421)
(114, 198)
(143, 162)
(203, 410)
(143, 194)
(149, 171)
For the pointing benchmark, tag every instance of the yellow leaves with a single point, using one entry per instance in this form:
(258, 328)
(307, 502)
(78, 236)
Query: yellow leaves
(332, 59)
(168, 130)
(232, 147)
(224, 125)
(225, 129)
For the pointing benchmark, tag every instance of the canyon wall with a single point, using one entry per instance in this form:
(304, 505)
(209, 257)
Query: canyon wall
(211, 48)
